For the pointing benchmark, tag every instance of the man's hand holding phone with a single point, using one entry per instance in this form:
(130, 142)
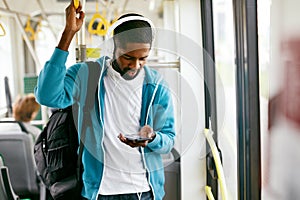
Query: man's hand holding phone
(141, 139)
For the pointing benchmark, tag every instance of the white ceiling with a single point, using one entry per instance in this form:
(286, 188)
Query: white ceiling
(32, 7)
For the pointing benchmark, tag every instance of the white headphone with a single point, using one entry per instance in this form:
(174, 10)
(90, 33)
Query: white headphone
(126, 19)
(108, 45)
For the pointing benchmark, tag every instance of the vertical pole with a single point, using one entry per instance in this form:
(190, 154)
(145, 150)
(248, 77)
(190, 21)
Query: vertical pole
(210, 88)
(81, 42)
(248, 109)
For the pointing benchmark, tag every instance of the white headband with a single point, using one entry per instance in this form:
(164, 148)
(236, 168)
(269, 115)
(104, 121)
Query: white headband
(126, 19)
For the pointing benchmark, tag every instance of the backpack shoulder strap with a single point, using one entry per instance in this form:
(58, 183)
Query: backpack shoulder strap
(93, 79)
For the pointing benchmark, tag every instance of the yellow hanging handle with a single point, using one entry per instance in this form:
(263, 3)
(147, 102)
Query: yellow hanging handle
(30, 30)
(102, 26)
(76, 3)
(2, 30)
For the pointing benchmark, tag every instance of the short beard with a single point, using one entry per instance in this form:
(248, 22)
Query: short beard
(123, 73)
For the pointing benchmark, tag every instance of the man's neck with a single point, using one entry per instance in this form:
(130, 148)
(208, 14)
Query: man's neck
(116, 67)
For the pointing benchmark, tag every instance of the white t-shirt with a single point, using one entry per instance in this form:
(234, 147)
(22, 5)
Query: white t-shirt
(124, 170)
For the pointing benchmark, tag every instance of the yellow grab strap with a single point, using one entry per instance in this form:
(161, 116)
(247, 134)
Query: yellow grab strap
(30, 30)
(2, 30)
(102, 26)
(76, 3)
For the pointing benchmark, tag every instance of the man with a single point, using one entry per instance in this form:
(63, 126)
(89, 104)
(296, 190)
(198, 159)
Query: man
(132, 99)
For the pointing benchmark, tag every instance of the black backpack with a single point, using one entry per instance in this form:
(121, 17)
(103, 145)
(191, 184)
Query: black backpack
(56, 149)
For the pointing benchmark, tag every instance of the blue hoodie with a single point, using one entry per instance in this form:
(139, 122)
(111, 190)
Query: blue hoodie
(59, 87)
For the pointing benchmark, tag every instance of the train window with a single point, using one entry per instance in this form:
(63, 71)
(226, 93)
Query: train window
(6, 58)
(263, 12)
(226, 69)
(226, 91)
(44, 42)
(47, 40)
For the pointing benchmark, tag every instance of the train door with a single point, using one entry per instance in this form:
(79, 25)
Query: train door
(211, 62)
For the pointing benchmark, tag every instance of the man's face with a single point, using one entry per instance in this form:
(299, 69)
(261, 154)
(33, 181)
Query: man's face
(132, 58)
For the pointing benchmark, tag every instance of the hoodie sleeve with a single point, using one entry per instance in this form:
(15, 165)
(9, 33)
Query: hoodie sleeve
(161, 117)
(56, 85)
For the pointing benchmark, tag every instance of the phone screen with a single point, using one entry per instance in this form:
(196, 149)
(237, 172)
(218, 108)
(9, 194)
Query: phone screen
(136, 138)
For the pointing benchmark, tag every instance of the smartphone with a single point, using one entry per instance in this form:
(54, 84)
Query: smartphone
(137, 138)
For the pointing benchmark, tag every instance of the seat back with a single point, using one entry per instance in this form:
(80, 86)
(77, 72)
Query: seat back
(10, 125)
(16, 147)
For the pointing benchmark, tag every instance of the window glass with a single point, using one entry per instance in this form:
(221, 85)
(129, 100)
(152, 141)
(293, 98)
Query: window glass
(225, 66)
(226, 91)
(6, 66)
(47, 40)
